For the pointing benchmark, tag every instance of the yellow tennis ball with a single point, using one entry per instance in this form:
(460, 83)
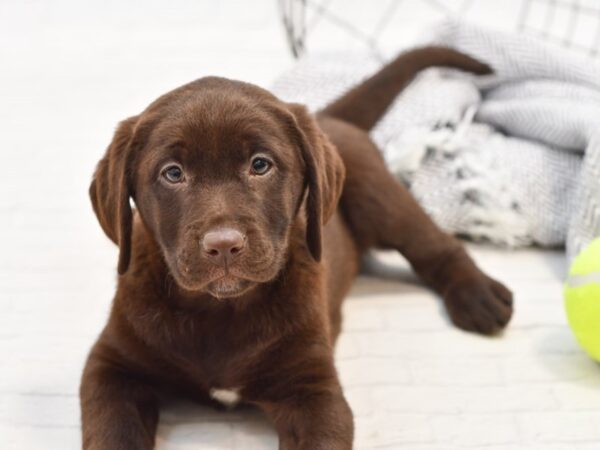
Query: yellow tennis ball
(582, 299)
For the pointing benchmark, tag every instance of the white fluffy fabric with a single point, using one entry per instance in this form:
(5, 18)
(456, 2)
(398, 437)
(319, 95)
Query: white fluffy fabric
(512, 158)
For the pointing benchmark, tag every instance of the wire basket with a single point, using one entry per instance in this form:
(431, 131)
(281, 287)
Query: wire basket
(375, 25)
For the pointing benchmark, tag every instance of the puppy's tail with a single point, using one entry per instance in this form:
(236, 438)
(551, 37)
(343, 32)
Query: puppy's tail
(366, 103)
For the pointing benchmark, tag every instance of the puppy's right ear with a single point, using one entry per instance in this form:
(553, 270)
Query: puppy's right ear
(111, 189)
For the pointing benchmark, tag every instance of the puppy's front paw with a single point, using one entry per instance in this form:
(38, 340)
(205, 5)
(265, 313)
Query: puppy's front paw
(481, 304)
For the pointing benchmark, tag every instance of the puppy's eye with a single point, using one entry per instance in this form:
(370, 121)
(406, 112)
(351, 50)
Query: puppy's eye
(173, 174)
(260, 166)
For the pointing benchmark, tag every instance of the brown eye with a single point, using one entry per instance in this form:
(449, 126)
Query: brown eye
(260, 166)
(173, 174)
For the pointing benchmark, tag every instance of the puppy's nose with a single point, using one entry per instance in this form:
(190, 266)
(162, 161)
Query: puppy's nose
(223, 245)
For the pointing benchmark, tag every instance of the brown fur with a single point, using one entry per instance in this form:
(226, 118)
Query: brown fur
(267, 323)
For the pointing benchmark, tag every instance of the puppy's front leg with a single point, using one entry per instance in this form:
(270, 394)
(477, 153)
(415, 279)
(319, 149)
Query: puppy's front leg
(117, 410)
(305, 402)
(313, 421)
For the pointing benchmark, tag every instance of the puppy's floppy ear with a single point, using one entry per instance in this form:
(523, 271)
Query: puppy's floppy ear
(111, 189)
(324, 175)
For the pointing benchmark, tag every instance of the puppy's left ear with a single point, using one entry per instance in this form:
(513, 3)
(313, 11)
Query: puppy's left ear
(324, 172)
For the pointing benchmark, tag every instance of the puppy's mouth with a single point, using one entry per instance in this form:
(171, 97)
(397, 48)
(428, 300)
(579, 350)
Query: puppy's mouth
(229, 286)
(223, 282)
(220, 283)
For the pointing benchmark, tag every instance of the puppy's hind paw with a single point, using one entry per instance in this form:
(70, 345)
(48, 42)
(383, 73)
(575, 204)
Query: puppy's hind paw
(482, 305)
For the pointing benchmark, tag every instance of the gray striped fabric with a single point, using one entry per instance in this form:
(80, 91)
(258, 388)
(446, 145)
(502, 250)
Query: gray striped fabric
(512, 158)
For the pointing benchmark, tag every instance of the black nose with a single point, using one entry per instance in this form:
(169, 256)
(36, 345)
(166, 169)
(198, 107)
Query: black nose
(222, 246)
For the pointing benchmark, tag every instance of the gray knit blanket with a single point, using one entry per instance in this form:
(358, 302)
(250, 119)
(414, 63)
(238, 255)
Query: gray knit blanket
(512, 158)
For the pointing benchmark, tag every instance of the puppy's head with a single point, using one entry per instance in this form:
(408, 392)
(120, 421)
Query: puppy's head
(219, 171)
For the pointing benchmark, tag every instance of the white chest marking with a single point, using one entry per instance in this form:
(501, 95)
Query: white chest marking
(229, 397)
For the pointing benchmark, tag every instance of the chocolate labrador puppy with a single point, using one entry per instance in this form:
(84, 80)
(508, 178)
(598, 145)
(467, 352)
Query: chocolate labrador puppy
(251, 215)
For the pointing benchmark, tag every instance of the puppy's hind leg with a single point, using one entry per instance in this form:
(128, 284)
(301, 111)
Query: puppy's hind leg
(382, 213)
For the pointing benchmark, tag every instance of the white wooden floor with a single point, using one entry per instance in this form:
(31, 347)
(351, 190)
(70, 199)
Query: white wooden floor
(69, 72)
